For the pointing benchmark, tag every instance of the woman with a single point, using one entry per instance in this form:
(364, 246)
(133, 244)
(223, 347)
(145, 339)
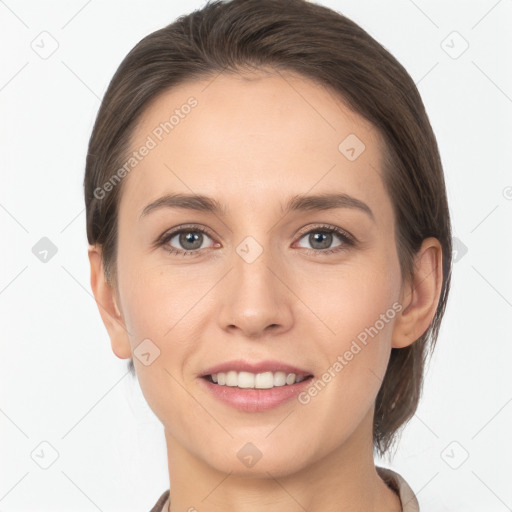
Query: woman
(270, 245)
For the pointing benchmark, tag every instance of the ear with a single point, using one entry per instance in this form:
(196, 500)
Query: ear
(420, 295)
(106, 300)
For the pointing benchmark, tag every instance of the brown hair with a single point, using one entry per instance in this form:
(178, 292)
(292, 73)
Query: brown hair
(326, 47)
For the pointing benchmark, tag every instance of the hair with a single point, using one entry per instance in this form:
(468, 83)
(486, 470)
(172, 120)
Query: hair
(321, 45)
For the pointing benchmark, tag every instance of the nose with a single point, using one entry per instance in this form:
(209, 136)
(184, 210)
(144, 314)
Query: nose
(254, 299)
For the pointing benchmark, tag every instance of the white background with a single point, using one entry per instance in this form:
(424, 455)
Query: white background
(60, 382)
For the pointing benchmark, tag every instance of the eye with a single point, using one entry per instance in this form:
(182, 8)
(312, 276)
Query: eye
(321, 238)
(190, 240)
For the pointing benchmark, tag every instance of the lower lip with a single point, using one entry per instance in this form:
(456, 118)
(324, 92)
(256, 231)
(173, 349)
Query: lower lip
(255, 400)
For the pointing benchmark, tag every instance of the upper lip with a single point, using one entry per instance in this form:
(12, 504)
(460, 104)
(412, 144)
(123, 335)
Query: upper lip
(240, 365)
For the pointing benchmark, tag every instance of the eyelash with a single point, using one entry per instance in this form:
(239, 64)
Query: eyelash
(347, 239)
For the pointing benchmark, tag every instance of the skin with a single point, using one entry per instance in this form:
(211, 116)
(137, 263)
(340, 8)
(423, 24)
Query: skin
(251, 142)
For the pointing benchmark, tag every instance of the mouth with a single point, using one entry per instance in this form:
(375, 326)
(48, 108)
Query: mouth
(255, 375)
(255, 387)
(262, 380)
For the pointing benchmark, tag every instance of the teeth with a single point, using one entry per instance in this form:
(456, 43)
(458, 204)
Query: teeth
(231, 378)
(262, 380)
(265, 380)
(290, 378)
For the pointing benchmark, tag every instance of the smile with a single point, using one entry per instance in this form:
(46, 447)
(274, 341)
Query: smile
(248, 380)
(254, 386)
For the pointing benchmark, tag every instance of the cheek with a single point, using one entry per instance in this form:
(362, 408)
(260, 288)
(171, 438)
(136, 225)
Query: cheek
(354, 300)
(358, 308)
(154, 298)
(161, 322)
(343, 393)
(161, 305)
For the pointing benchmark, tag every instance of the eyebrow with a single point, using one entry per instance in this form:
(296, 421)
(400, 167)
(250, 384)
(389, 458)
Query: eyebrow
(318, 202)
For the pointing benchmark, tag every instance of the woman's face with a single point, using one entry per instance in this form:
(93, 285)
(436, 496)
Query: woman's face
(262, 280)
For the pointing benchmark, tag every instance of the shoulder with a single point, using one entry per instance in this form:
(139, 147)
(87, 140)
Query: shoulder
(396, 482)
(159, 505)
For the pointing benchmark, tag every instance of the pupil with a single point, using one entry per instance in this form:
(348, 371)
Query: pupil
(191, 238)
(323, 244)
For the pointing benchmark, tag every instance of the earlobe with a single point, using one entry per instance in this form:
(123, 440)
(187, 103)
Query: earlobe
(420, 296)
(106, 301)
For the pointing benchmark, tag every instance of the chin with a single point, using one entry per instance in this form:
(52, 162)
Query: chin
(249, 460)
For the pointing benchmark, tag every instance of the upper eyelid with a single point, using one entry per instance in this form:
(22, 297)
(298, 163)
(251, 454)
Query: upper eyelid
(168, 235)
(325, 227)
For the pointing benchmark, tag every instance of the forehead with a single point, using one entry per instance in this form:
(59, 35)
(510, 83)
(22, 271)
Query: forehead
(252, 141)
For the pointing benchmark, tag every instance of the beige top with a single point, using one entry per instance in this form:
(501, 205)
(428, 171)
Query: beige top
(393, 480)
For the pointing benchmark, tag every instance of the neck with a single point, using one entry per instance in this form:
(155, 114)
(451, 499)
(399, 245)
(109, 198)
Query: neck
(344, 480)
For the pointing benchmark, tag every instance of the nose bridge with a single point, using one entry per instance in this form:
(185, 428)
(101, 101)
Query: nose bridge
(255, 297)
(252, 264)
